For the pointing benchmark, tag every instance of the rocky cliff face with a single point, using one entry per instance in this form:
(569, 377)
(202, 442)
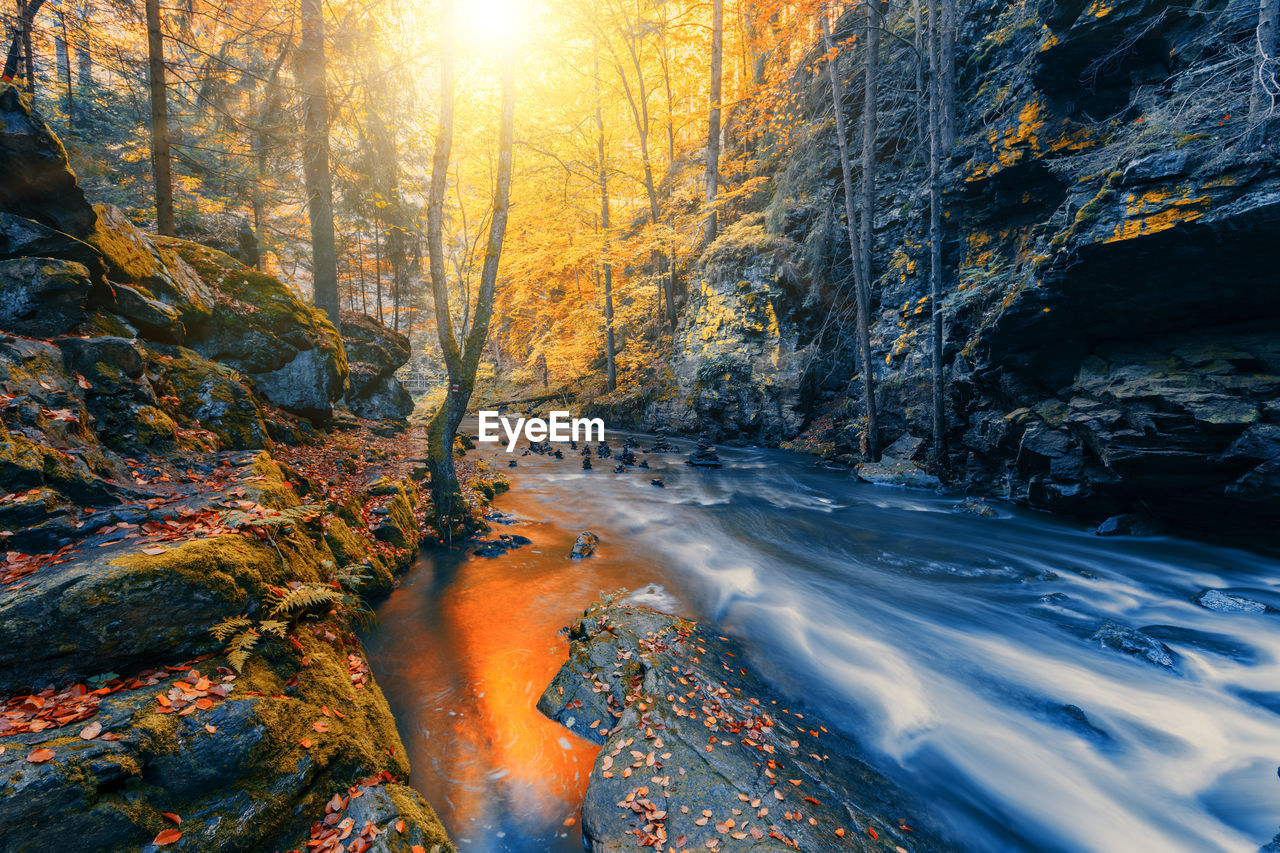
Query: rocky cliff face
(1112, 314)
(148, 389)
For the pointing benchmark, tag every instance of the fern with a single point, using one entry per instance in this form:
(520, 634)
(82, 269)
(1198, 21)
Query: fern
(239, 648)
(224, 629)
(299, 600)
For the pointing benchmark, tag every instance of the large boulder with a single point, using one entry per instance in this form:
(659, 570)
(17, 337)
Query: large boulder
(288, 349)
(35, 181)
(25, 238)
(374, 354)
(42, 297)
(698, 751)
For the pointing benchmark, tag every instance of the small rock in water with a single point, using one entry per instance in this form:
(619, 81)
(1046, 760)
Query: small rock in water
(603, 451)
(585, 546)
(704, 455)
(512, 464)
(1131, 641)
(586, 463)
(644, 463)
(658, 482)
(558, 454)
(1129, 525)
(497, 547)
(619, 468)
(586, 450)
(1225, 602)
(978, 506)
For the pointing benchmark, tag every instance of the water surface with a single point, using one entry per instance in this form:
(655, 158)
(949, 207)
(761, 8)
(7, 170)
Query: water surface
(954, 647)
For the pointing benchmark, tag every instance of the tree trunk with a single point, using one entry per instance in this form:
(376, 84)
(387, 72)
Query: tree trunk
(921, 61)
(315, 161)
(611, 368)
(936, 147)
(855, 244)
(20, 48)
(947, 74)
(63, 51)
(84, 54)
(1266, 86)
(377, 270)
(461, 360)
(713, 120)
(161, 168)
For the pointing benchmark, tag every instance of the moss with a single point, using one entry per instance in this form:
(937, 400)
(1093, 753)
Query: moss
(155, 429)
(204, 394)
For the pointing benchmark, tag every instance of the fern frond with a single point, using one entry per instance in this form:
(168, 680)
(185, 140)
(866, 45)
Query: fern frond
(227, 627)
(239, 648)
(273, 628)
(295, 602)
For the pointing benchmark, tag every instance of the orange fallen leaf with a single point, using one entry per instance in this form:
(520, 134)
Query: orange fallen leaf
(211, 729)
(166, 837)
(872, 833)
(306, 744)
(400, 826)
(91, 731)
(39, 756)
(152, 552)
(171, 816)
(569, 821)
(840, 833)
(320, 726)
(417, 848)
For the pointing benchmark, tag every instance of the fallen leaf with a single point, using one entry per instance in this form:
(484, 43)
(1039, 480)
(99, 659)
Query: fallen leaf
(91, 731)
(569, 821)
(211, 729)
(152, 552)
(171, 816)
(400, 827)
(306, 744)
(39, 756)
(167, 837)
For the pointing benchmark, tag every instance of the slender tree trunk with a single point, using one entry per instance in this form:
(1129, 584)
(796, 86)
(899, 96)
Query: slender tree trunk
(20, 48)
(84, 54)
(461, 359)
(870, 94)
(318, 180)
(921, 61)
(713, 120)
(377, 270)
(1266, 86)
(947, 74)
(161, 168)
(611, 368)
(936, 140)
(855, 253)
(63, 50)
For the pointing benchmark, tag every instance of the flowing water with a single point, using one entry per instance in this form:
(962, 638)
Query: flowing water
(955, 648)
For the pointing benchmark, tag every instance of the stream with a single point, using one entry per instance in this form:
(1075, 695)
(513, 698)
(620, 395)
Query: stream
(955, 648)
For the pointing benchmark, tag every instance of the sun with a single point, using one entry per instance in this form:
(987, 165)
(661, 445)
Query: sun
(492, 23)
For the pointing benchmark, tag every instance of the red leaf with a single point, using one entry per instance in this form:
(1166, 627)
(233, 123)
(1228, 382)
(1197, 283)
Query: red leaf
(171, 816)
(39, 756)
(166, 837)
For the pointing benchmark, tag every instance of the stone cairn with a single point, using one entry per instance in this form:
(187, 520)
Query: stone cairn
(704, 455)
(661, 445)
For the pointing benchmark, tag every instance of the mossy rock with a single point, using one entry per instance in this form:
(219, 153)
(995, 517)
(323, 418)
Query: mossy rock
(206, 395)
(288, 349)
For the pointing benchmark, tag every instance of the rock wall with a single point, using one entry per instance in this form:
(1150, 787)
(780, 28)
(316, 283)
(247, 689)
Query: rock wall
(1111, 311)
(738, 361)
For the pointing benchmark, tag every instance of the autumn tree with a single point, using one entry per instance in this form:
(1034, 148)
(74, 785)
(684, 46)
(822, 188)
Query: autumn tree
(713, 117)
(858, 249)
(462, 347)
(315, 159)
(161, 168)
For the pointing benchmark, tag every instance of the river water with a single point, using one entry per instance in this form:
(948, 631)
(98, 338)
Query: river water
(956, 648)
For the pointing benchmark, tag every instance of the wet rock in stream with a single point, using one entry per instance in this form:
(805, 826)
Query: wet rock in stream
(1225, 602)
(585, 545)
(1132, 642)
(698, 753)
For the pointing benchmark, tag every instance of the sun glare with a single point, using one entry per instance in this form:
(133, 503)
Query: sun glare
(494, 23)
